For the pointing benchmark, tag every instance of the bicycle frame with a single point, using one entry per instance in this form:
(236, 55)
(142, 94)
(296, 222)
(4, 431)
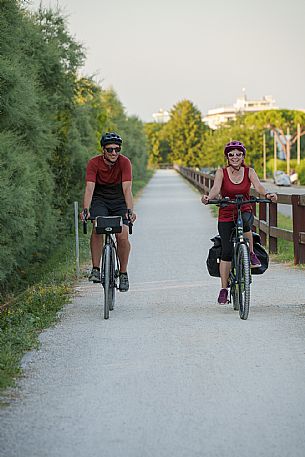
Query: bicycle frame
(111, 242)
(238, 238)
(240, 272)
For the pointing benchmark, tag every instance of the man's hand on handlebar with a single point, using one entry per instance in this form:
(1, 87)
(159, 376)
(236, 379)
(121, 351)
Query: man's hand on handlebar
(84, 215)
(131, 215)
(205, 199)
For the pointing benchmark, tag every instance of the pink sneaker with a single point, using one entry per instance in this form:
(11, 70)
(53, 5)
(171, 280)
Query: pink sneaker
(254, 261)
(223, 297)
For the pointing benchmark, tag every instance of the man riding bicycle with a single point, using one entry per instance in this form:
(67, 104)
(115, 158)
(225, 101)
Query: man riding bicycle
(109, 193)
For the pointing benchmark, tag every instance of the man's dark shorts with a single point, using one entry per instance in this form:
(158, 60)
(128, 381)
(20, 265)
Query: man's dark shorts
(110, 208)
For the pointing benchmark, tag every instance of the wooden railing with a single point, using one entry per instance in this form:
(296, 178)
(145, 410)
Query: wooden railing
(266, 220)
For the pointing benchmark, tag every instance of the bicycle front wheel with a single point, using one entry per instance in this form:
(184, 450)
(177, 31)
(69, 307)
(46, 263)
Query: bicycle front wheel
(112, 279)
(106, 282)
(234, 291)
(243, 281)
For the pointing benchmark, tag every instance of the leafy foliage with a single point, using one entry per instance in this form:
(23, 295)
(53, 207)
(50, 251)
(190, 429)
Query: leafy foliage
(184, 133)
(158, 145)
(50, 124)
(186, 141)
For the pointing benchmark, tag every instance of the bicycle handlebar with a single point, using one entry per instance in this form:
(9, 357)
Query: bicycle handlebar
(85, 212)
(227, 201)
(130, 224)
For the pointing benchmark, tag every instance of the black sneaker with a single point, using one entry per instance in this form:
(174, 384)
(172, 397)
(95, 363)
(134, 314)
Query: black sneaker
(124, 283)
(95, 275)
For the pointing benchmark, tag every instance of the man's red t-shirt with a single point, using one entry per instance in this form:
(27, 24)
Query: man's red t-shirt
(108, 179)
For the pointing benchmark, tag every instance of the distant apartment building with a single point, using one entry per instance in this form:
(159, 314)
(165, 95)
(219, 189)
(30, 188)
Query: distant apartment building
(161, 117)
(218, 116)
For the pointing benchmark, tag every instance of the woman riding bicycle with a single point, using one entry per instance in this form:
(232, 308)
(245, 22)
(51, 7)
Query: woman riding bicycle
(236, 178)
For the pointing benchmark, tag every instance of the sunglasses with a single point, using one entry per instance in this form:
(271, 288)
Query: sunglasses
(233, 153)
(116, 150)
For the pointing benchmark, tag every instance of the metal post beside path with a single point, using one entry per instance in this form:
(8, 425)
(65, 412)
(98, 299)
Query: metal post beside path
(76, 238)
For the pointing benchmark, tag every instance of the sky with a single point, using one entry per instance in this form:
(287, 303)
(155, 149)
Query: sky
(155, 53)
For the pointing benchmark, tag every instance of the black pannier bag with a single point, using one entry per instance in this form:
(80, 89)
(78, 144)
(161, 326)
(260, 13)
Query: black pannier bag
(261, 253)
(108, 224)
(214, 256)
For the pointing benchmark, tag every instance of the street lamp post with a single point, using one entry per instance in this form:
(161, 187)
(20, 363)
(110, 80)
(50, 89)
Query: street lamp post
(298, 144)
(288, 151)
(264, 157)
(274, 154)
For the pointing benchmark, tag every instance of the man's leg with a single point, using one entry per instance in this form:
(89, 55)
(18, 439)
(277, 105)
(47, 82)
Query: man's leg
(96, 245)
(123, 248)
(98, 208)
(123, 253)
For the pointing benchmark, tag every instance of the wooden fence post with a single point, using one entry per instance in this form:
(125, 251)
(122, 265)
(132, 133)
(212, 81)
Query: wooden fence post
(298, 217)
(272, 223)
(263, 217)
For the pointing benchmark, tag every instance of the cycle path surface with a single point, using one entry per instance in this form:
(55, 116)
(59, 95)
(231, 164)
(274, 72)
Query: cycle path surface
(171, 373)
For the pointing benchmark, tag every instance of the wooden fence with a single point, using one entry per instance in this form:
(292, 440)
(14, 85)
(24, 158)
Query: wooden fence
(266, 220)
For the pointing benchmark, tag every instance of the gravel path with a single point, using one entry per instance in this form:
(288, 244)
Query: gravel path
(171, 373)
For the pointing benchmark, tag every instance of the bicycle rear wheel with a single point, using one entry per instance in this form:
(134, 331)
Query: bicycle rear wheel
(243, 280)
(106, 279)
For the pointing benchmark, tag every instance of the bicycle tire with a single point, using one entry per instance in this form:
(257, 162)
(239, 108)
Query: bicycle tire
(243, 280)
(234, 292)
(112, 280)
(106, 275)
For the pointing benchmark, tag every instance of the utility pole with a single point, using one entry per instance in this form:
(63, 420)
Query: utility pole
(274, 153)
(298, 144)
(264, 156)
(288, 151)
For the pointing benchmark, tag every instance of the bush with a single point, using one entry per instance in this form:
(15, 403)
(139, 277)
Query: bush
(282, 166)
(300, 169)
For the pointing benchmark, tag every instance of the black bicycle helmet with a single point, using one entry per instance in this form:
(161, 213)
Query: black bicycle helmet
(110, 138)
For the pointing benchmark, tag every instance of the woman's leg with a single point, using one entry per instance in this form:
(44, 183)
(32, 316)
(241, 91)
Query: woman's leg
(248, 223)
(225, 232)
(224, 269)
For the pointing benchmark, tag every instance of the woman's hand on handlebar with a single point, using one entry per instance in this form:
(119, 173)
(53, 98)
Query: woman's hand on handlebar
(271, 196)
(205, 199)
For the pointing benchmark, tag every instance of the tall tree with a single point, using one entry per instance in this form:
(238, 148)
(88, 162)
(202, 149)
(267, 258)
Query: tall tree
(279, 121)
(184, 132)
(158, 146)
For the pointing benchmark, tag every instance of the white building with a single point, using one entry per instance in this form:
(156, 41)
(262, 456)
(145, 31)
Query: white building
(218, 116)
(161, 116)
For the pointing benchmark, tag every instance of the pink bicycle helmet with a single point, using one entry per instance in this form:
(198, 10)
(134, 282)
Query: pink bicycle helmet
(234, 145)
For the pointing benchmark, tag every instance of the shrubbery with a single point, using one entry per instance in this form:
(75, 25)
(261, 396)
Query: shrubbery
(282, 166)
(50, 124)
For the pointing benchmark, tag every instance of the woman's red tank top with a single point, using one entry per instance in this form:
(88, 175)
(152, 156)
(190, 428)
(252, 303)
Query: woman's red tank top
(230, 189)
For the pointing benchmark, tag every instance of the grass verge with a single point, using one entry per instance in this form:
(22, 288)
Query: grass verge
(37, 307)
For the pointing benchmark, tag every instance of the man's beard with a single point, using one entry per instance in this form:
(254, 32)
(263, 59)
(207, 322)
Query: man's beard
(110, 162)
